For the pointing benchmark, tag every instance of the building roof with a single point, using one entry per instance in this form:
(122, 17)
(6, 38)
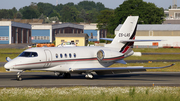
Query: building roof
(55, 26)
(154, 27)
(15, 24)
(40, 21)
(71, 35)
(89, 26)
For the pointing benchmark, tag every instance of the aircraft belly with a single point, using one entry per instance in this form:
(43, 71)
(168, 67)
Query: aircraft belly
(90, 64)
(67, 66)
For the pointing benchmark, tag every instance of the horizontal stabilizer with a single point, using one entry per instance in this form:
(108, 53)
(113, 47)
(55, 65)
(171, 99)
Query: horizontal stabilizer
(130, 40)
(108, 39)
(138, 40)
(121, 61)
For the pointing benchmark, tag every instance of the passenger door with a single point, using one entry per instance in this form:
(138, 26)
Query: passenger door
(48, 58)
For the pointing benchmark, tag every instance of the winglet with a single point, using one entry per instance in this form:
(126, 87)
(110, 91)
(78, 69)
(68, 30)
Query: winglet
(8, 59)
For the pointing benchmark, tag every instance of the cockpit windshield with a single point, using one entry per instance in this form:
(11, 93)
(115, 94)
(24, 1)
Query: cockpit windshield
(28, 54)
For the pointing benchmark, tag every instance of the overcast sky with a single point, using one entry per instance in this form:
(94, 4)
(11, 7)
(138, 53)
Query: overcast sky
(9, 4)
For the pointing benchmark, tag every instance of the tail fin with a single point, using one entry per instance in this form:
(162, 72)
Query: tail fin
(126, 32)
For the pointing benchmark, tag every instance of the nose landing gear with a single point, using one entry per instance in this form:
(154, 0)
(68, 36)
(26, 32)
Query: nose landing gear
(19, 76)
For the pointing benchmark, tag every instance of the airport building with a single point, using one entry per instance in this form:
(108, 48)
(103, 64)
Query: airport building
(168, 33)
(14, 32)
(45, 33)
(77, 39)
(92, 31)
(41, 33)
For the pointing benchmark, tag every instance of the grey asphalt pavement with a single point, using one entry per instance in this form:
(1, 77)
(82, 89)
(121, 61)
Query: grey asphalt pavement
(47, 79)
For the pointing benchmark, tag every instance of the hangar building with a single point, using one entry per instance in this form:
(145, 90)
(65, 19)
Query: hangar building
(14, 32)
(168, 33)
(43, 33)
(92, 31)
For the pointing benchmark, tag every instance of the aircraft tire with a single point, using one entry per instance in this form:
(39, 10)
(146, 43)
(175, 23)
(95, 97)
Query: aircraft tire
(89, 76)
(19, 78)
(66, 75)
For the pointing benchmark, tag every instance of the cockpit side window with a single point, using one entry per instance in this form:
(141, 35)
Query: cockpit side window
(28, 54)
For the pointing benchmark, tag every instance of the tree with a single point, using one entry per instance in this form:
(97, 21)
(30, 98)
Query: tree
(54, 18)
(103, 19)
(4, 14)
(29, 12)
(83, 15)
(148, 13)
(19, 15)
(45, 8)
(55, 14)
(100, 6)
(14, 10)
(69, 14)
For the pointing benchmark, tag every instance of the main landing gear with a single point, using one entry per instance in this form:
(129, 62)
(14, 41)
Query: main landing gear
(89, 75)
(65, 75)
(19, 76)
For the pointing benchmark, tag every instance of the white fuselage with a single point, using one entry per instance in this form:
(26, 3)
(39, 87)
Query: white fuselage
(64, 59)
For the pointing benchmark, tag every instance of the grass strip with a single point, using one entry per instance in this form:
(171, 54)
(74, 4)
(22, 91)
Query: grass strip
(91, 94)
(157, 50)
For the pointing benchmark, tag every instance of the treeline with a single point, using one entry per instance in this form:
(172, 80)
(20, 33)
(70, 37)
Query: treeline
(90, 12)
(85, 11)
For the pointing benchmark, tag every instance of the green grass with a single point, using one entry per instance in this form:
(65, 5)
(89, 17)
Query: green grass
(15, 53)
(8, 50)
(155, 57)
(175, 68)
(157, 50)
(91, 94)
(2, 69)
(3, 56)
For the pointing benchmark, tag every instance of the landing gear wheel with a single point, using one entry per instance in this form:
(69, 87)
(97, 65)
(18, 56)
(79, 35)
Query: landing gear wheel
(57, 74)
(89, 76)
(19, 76)
(66, 75)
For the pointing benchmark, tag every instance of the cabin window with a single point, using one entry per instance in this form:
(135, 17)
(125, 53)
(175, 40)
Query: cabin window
(65, 55)
(28, 54)
(74, 54)
(70, 55)
(56, 55)
(61, 55)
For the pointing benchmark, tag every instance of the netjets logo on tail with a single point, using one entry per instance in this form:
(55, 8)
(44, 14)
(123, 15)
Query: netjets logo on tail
(124, 34)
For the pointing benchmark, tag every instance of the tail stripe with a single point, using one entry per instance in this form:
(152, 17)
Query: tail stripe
(128, 44)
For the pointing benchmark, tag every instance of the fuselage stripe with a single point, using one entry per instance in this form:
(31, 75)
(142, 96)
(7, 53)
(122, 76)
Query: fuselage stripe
(88, 59)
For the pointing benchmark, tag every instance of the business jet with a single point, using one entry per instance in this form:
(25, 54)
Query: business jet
(82, 60)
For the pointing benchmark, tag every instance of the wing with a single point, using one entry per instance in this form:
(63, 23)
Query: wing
(114, 70)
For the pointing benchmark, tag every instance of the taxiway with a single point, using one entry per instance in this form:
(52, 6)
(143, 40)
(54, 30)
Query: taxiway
(47, 79)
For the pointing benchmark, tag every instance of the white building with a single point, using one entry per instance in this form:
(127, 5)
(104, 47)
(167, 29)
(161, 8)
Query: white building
(168, 33)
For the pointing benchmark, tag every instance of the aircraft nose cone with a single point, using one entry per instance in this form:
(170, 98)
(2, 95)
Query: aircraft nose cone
(8, 66)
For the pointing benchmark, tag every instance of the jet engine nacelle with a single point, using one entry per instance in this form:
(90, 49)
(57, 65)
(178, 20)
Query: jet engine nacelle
(109, 55)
